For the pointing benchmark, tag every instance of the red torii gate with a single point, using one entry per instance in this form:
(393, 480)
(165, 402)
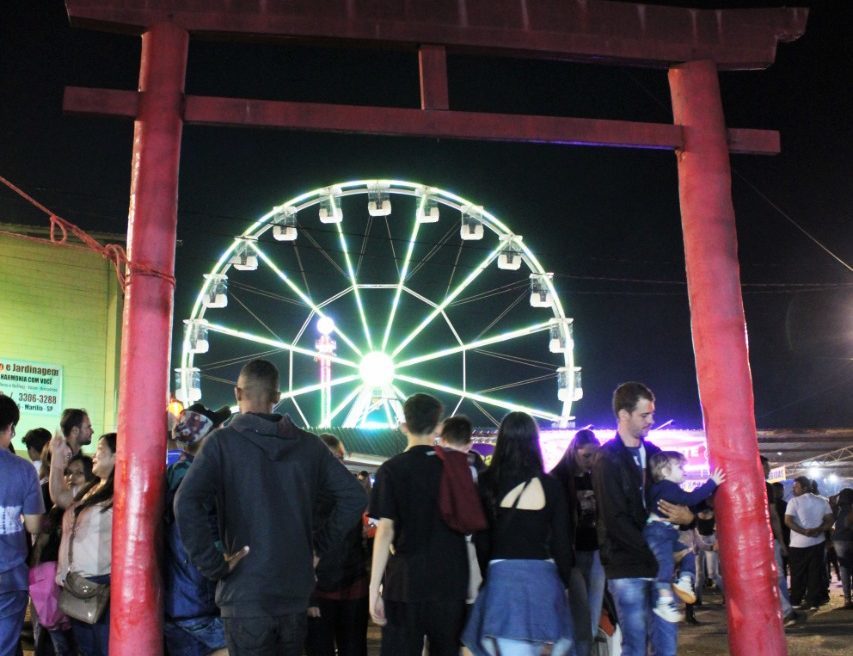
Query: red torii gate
(693, 44)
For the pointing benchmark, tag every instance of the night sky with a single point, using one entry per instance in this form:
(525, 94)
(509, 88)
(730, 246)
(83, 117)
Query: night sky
(605, 221)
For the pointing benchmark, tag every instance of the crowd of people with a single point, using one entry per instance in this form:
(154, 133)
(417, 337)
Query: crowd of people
(271, 546)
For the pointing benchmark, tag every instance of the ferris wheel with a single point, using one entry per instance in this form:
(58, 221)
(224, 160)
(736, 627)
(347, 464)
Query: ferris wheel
(366, 292)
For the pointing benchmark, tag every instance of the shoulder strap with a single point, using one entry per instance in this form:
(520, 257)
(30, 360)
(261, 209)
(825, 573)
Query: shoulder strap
(71, 539)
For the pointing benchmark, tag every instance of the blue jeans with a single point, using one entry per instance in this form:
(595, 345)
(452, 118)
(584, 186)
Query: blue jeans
(586, 594)
(844, 551)
(634, 599)
(13, 607)
(197, 636)
(784, 597)
(507, 647)
(662, 539)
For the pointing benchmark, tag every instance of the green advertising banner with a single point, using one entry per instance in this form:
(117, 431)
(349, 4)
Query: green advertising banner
(35, 386)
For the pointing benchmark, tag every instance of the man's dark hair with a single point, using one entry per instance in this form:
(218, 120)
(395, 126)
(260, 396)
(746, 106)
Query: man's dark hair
(36, 439)
(261, 378)
(71, 418)
(778, 490)
(334, 444)
(627, 395)
(457, 430)
(9, 413)
(805, 483)
(422, 413)
(331, 441)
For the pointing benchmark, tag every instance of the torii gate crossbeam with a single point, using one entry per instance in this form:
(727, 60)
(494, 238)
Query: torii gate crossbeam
(693, 44)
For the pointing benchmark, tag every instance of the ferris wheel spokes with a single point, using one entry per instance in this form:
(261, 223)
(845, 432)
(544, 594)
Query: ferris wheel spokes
(369, 374)
(495, 339)
(473, 396)
(242, 334)
(309, 389)
(403, 273)
(449, 299)
(354, 284)
(386, 399)
(303, 296)
(343, 404)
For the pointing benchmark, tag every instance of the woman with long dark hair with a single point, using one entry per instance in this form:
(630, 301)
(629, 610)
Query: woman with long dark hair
(587, 585)
(525, 554)
(842, 538)
(86, 532)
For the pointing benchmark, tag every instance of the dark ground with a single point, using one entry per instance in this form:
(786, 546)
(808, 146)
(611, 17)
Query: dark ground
(827, 632)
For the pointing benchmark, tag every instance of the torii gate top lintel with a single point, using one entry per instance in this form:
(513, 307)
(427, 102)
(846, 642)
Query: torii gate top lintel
(582, 30)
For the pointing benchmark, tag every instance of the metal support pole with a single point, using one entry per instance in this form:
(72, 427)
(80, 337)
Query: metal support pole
(136, 598)
(722, 363)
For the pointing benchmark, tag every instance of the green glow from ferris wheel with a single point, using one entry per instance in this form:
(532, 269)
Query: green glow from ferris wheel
(361, 386)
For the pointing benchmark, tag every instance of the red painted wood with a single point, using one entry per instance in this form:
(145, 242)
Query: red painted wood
(416, 122)
(100, 102)
(432, 64)
(582, 30)
(205, 110)
(722, 362)
(136, 597)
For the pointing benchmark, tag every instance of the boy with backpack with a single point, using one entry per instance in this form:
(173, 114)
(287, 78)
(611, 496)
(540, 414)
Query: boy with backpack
(419, 574)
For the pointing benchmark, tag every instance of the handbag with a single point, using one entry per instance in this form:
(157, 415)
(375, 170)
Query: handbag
(44, 593)
(80, 598)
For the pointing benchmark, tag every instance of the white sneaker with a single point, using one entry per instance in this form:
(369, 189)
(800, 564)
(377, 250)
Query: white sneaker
(684, 589)
(667, 610)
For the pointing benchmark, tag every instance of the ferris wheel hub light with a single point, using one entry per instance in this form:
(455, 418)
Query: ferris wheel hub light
(325, 326)
(377, 369)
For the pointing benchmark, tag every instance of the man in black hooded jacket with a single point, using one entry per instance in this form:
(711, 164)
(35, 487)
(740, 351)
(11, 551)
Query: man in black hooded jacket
(620, 475)
(264, 475)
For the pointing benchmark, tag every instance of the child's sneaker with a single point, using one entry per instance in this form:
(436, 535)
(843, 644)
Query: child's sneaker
(684, 589)
(666, 609)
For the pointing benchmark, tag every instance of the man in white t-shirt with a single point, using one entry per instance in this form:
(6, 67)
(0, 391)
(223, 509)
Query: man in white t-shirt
(809, 517)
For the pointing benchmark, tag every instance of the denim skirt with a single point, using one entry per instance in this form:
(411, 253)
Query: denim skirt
(522, 600)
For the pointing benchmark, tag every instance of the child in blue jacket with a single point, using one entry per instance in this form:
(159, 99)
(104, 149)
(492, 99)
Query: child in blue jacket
(667, 469)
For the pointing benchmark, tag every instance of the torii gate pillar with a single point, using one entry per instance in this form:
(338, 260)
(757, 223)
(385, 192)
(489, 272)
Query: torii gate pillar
(136, 613)
(720, 346)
